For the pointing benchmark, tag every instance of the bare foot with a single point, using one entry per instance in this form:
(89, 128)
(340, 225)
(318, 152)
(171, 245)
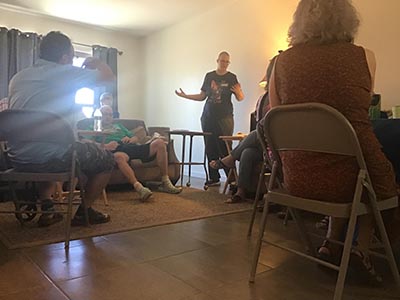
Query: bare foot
(239, 196)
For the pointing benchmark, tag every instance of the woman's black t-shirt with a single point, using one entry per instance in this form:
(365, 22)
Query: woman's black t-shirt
(219, 94)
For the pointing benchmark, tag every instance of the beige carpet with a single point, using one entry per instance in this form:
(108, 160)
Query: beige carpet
(127, 213)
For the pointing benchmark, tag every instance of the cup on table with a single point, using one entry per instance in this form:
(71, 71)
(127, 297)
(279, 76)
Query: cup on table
(396, 112)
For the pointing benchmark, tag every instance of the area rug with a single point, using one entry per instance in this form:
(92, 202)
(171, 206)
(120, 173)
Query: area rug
(127, 213)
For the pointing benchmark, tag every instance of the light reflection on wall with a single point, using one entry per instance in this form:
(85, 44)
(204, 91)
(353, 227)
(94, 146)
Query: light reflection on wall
(95, 12)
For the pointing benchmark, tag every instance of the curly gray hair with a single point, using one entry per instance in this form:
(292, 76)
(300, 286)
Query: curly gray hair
(323, 21)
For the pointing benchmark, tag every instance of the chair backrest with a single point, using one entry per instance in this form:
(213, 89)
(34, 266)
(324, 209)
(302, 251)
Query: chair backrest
(311, 127)
(25, 126)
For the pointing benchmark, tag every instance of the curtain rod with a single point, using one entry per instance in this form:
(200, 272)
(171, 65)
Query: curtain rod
(90, 46)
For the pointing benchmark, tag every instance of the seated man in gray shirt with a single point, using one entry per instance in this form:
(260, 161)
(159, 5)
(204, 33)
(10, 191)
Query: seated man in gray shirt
(50, 85)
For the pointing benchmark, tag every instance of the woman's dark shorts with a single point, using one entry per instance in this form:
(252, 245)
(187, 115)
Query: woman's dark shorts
(134, 151)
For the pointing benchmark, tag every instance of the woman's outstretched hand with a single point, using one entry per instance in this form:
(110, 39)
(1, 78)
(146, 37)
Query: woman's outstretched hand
(180, 93)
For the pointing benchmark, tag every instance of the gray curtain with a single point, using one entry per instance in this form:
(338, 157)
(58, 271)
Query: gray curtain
(110, 57)
(18, 50)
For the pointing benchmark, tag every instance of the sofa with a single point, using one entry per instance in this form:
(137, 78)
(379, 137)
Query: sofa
(145, 172)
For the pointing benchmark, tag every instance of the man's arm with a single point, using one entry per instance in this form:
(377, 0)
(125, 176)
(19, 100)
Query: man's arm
(129, 136)
(106, 74)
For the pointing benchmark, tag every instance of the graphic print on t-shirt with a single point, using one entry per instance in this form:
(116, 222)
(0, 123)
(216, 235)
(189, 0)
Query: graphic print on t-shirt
(216, 90)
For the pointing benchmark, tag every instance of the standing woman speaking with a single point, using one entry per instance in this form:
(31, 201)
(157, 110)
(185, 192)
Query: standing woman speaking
(217, 117)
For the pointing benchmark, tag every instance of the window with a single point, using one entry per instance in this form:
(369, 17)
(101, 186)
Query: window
(84, 97)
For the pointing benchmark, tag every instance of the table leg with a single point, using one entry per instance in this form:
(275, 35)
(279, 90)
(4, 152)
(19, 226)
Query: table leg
(105, 197)
(183, 157)
(190, 160)
(205, 163)
(228, 178)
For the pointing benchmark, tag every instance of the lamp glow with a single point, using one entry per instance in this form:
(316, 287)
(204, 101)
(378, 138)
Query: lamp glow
(262, 83)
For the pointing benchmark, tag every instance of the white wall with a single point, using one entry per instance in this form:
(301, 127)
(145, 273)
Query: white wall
(380, 32)
(251, 31)
(130, 64)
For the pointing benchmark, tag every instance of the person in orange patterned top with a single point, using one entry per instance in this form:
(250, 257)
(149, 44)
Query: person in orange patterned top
(324, 65)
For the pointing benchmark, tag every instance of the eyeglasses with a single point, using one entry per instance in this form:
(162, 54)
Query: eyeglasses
(225, 61)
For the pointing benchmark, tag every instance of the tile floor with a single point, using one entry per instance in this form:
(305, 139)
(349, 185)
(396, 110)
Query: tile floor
(196, 260)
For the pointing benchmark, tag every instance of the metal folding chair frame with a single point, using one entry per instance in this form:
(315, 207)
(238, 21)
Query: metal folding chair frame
(39, 126)
(320, 128)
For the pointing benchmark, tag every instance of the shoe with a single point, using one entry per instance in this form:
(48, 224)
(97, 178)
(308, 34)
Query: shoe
(361, 265)
(144, 194)
(168, 187)
(95, 217)
(236, 199)
(212, 182)
(324, 253)
(46, 220)
(233, 188)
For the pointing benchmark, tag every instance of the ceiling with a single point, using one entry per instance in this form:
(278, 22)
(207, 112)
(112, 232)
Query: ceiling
(137, 17)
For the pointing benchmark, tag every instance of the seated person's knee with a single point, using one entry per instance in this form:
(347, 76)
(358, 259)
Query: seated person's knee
(121, 157)
(159, 144)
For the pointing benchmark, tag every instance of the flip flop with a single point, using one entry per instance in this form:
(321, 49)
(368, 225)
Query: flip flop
(235, 199)
(219, 165)
(362, 266)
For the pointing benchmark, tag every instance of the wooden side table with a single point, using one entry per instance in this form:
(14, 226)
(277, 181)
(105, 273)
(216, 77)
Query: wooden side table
(229, 139)
(183, 163)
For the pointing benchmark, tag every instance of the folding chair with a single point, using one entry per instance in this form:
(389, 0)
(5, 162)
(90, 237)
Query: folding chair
(264, 176)
(26, 126)
(320, 128)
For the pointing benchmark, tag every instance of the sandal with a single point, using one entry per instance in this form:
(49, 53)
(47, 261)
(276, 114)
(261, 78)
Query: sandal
(235, 199)
(219, 165)
(362, 266)
(325, 253)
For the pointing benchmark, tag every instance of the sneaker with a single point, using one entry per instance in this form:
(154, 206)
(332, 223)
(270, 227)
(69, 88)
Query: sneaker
(46, 220)
(168, 187)
(95, 217)
(144, 194)
(212, 182)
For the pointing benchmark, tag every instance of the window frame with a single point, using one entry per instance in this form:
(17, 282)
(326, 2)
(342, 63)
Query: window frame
(86, 109)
